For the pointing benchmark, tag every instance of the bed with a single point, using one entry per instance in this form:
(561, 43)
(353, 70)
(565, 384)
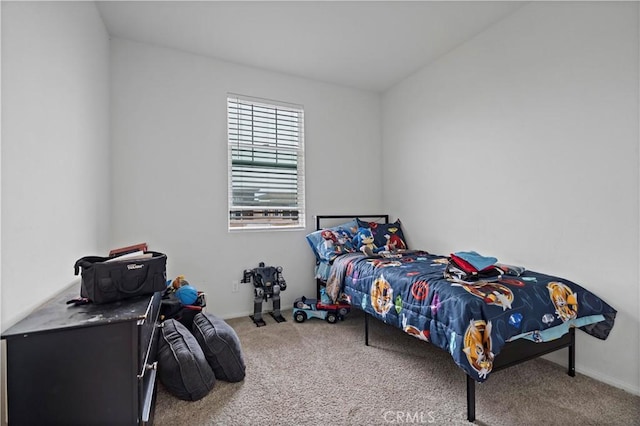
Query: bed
(500, 317)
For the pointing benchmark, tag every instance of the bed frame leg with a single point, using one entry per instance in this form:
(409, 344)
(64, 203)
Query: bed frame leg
(366, 329)
(471, 399)
(572, 353)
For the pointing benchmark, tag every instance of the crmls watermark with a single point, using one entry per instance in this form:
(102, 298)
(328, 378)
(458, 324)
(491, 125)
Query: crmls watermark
(404, 417)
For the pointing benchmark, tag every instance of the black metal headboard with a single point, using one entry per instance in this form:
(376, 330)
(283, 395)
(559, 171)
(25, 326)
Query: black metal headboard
(320, 219)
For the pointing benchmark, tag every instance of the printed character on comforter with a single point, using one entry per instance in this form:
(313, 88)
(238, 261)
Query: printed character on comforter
(471, 320)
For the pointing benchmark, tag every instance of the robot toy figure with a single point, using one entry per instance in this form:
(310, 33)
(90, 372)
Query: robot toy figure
(268, 283)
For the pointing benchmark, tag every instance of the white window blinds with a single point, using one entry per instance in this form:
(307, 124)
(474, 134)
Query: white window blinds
(266, 164)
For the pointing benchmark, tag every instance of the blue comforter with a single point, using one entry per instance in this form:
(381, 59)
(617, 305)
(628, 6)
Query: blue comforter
(472, 321)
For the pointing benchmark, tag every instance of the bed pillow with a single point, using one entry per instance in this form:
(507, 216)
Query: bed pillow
(221, 347)
(328, 243)
(182, 366)
(388, 235)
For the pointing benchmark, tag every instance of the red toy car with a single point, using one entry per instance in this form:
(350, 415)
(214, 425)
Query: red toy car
(304, 308)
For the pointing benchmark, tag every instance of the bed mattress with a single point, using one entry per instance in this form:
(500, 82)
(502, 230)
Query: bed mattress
(471, 320)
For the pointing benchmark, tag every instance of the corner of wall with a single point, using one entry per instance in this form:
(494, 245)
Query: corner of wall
(3, 368)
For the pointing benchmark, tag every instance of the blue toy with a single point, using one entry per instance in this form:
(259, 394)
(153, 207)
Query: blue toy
(363, 241)
(187, 294)
(181, 301)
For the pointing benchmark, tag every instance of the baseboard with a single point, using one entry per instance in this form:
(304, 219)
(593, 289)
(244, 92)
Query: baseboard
(559, 358)
(608, 380)
(247, 313)
(237, 315)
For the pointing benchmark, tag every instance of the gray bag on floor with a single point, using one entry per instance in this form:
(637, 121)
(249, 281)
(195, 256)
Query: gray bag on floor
(220, 345)
(182, 366)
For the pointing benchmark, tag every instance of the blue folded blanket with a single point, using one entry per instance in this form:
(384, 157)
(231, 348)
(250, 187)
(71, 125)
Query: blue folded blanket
(476, 260)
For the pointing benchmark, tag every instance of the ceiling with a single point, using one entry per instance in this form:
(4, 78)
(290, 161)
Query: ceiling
(369, 45)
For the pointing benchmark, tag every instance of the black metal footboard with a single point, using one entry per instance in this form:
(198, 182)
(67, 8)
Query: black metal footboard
(522, 350)
(512, 353)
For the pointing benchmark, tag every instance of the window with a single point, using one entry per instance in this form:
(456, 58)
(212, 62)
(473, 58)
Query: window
(266, 164)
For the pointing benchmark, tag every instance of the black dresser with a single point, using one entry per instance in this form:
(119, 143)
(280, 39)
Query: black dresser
(83, 365)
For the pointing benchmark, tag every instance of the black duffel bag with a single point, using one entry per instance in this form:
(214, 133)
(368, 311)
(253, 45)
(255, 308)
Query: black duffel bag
(108, 279)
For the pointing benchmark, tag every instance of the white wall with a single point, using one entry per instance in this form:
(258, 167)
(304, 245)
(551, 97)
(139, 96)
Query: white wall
(528, 136)
(169, 167)
(523, 144)
(55, 134)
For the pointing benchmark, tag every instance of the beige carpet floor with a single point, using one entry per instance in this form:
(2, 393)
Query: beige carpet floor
(316, 373)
